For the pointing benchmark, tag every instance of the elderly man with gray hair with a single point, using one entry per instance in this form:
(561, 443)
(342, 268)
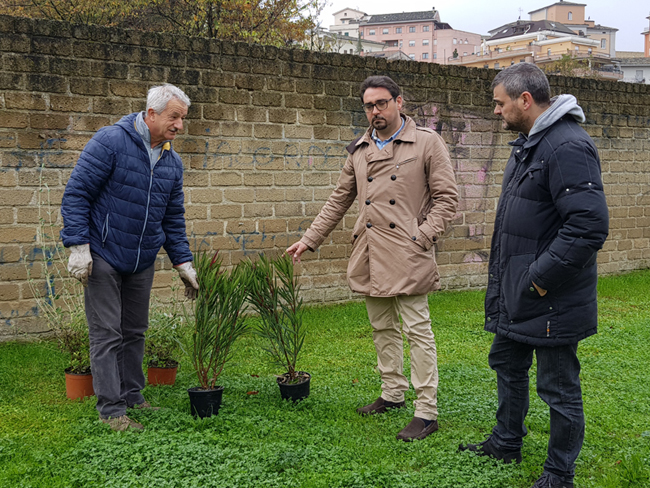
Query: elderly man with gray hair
(124, 200)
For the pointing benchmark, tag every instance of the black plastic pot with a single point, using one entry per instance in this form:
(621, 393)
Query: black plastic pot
(295, 391)
(205, 403)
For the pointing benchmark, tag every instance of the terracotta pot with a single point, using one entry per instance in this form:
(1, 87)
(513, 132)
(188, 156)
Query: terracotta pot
(161, 376)
(294, 391)
(78, 385)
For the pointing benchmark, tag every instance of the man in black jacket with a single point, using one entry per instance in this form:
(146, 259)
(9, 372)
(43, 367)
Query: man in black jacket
(551, 221)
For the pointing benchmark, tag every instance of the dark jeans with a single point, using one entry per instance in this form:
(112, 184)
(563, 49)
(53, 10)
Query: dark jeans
(558, 384)
(117, 310)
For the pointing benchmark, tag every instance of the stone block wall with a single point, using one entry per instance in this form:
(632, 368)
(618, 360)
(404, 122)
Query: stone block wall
(263, 145)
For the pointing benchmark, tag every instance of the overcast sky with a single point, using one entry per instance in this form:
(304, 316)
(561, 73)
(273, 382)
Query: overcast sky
(479, 16)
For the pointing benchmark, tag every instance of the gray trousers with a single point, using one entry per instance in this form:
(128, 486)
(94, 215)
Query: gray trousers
(117, 310)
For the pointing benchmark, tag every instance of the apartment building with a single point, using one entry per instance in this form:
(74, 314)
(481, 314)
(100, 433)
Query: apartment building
(572, 15)
(346, 22)
(421, 35)
(544, 39)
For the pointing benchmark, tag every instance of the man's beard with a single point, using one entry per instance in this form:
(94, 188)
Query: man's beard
(517, 124)
(379, 123)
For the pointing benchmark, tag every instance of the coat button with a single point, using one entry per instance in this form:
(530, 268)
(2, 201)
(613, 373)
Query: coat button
(491, 275)
(367, 202)
(489, 319)
(414, 238)
(393, 177)
(355, 236)
(532, 289)
(369, 178)
(392, 202)
(391, 225)
(368, 225)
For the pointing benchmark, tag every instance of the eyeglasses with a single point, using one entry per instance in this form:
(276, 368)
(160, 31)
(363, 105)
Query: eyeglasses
(380, 104)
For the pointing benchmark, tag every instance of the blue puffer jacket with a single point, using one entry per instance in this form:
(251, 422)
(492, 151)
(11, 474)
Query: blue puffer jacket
(125, 209)
(551, 220)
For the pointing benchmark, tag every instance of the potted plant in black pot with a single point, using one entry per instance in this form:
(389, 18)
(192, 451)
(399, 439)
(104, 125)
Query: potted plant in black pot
(162, 343)
(275, 295)
(218, 321)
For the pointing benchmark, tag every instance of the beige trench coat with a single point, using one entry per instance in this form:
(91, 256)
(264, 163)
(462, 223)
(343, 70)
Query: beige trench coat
(407, 197)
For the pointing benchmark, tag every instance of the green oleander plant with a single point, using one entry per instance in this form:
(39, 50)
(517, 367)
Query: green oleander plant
(274, 293)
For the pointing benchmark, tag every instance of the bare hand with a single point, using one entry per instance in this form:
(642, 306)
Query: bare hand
(295, 251)
(541, 291)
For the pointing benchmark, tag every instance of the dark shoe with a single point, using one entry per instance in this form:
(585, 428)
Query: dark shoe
(416, 429)
(548, 480)
(122, 423)
(379, 406)
(144, 406)
(487, 448)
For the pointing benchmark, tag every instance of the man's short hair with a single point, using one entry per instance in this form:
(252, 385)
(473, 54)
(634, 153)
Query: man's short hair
(380, 82)
(524, 77)
(159, 96)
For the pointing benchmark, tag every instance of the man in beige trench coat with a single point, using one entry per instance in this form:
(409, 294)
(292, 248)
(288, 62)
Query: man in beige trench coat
(407, 195)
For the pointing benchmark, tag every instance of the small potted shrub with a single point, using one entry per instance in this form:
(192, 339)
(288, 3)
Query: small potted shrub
(217, 322)
(162, 344)
(275, 295)
(72, 337)
(60, 299)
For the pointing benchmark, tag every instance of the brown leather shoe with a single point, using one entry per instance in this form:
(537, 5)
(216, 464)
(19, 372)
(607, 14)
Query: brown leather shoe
(144, 406)
(378, 406)
(122, 423)
(417, 430)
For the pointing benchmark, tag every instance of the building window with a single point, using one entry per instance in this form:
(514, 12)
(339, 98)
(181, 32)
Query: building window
(435, 55)
(435, 42)
(577, 48)
(425, 55)
(589, 50)
(425, 28)
(398, 30)
(425, 42)
(466, 41)
(401, 44)
(347, 34)
(411, 43)
(548, 52)
(371, 32)
(384, 31)
(603, 43)
(411, 29)
(465, 53)
(496, 65)
(570, 15)
(345, 51)
(455, 41)
(412, 56)
(639, 76)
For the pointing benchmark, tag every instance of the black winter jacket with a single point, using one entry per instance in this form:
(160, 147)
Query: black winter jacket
(551, 220)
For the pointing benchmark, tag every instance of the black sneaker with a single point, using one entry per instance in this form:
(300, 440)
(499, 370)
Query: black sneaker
(487, 448)
(548, 480)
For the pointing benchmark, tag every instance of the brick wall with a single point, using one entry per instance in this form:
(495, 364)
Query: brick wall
(264, 143)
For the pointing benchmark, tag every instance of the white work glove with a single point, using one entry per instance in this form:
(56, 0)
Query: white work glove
(80, 265)
(188, 274)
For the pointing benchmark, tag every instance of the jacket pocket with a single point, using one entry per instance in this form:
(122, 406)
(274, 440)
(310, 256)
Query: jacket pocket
(105, 228)
(417, 237)
(407, 161)
(356, 233)
(521, 299)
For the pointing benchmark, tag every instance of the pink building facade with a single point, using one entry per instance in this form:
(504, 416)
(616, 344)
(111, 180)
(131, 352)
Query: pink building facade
(420, 35)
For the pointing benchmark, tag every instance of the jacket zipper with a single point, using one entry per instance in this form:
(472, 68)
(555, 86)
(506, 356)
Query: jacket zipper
(146, 215)
(548, 328)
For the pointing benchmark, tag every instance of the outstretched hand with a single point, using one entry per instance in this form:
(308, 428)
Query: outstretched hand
(295, 251)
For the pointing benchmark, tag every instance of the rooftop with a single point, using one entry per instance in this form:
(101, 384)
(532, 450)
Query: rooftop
(522, 27)
(559, 3)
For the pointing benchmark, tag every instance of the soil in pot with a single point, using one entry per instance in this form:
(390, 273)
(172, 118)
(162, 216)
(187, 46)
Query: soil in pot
(78, 385)
(294, 391)
(162, 375)
(205, 403)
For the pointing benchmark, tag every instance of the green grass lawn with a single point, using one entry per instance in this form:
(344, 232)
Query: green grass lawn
(257, 440)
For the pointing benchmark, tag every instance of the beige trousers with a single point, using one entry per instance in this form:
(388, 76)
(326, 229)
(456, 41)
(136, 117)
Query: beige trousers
(384, 315)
